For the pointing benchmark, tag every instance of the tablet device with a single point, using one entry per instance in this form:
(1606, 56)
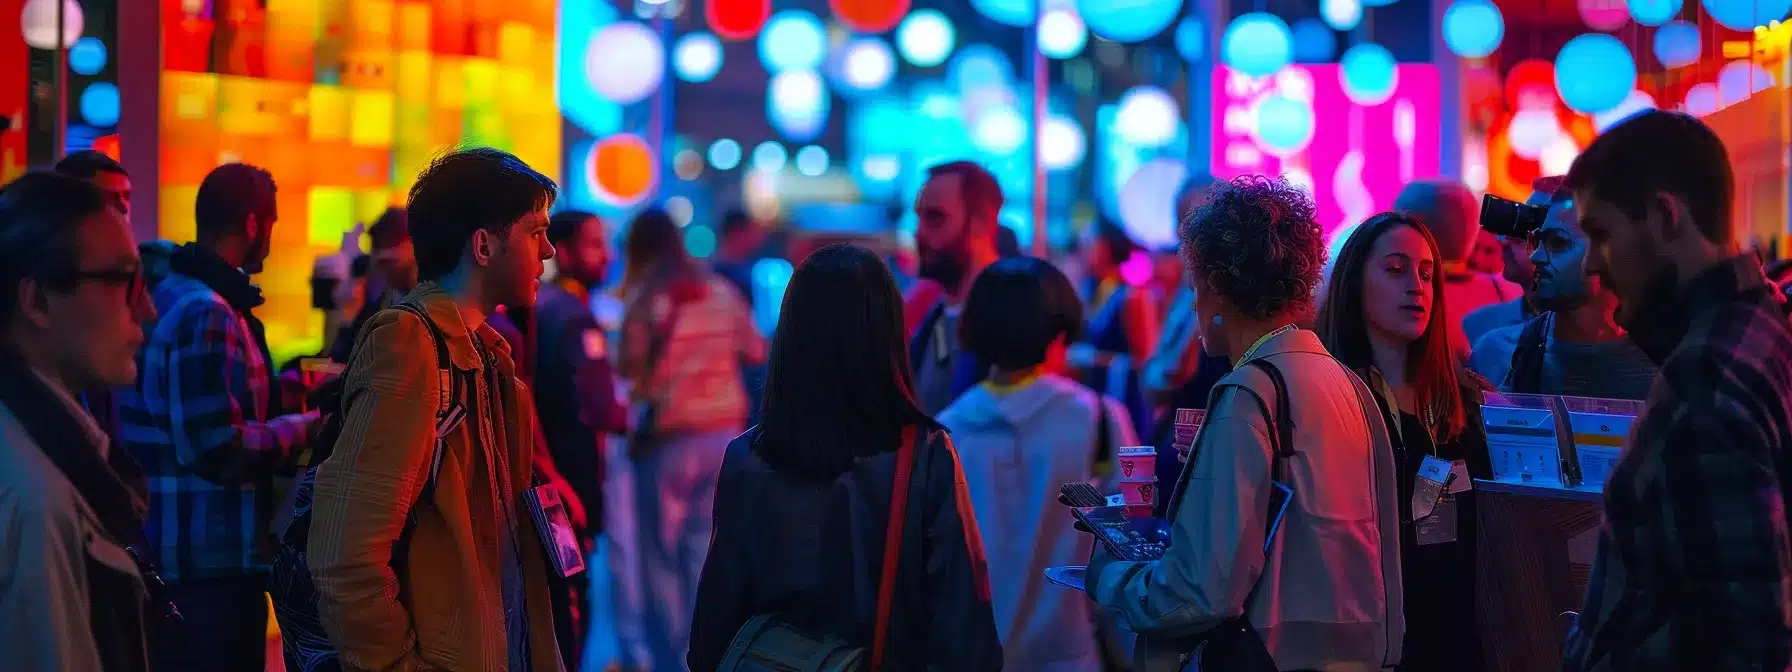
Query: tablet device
(1129, 538)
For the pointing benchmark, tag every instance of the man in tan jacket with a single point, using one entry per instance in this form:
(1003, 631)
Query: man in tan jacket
(472, 589)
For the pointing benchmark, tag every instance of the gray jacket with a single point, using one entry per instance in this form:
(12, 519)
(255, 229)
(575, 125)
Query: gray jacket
(1327, 594)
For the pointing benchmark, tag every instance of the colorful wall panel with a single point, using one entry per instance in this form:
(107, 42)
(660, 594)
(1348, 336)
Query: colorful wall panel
(345, 102)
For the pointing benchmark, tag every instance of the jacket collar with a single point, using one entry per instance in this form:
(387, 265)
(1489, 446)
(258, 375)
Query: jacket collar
(1659, 328)
(1292, 340)
(441, 309)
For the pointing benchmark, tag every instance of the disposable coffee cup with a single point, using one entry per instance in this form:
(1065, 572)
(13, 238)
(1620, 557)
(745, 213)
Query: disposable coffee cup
(1137, 463)
(1141, 494)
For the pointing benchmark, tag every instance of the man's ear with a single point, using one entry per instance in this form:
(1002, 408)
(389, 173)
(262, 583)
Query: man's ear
(480, 246)
(34, 302)
(1676, 218)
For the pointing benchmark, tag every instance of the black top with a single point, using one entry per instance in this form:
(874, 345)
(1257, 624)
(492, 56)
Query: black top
(812, 553)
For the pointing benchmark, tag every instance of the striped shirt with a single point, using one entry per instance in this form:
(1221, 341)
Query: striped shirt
(696, 380)
(1694, 563)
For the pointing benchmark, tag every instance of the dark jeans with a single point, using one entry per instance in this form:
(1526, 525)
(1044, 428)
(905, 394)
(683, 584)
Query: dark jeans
(224, 626)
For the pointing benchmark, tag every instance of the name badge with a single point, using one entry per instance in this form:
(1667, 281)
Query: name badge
(1461, 481)
(1429, 487)
(1440, 526)
(940, 351)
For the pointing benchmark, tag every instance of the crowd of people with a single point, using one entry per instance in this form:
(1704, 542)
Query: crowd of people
(491, 465)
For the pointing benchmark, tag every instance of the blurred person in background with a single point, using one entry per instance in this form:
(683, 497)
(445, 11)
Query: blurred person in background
(739, 247)
(1516, 268)
(800, 518)
(104, 172)
(955, 237)
(1573, 346)
(1380, 318)
(201, 421)
(575, 388)
(394, 274)
(1007, 243)
(685, 334)
(1255, 254)
(1691, 569)
(1022, 433)
(1122, 321)
(1449, 210)
(1489, 256)
(72, 306)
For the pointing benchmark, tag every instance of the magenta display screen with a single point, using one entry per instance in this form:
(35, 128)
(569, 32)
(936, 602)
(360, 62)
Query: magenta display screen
(1355, 158)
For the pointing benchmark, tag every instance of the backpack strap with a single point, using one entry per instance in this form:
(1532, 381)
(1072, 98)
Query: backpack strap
(451, 410)
(1282, 420)
(1526, 373)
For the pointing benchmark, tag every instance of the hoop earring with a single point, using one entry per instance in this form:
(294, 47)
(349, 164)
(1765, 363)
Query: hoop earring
(1216, 319)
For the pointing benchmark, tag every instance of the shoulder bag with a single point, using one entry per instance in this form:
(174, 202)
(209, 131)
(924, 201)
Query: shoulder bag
(644, 416)
(768, 643)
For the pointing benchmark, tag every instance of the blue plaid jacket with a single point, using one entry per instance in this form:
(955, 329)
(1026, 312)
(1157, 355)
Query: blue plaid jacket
(197, 420)
(1694, 565)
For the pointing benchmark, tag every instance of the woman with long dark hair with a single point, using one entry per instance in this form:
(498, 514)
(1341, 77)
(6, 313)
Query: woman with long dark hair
(1123, 321)
(804, 498)
(1384, 317)
(685, 333)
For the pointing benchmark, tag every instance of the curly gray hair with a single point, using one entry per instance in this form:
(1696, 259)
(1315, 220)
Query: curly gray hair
(1253, 241)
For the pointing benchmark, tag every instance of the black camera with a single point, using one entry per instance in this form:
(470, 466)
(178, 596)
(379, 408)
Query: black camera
(1511, 218)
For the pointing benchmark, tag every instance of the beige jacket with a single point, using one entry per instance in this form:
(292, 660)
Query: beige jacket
(1328, 591)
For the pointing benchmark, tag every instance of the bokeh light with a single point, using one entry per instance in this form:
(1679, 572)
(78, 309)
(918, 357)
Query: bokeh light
(700, 241)
(1604, 14)
(769, 157)
(736, 19)
(1703, 99)
(1741, 79)
(1000, 130)
(812, 161)
(1474, 28)
(1341, 14)
(793, 40)
(87, 57)
(1531, 131)
(867, 64)
(1257, 44)
(1369, 73)
(697, 57)
(99, 104)
(1191, 40)
(925, 38)
(1314, 42)
(1128, 20)
(1745, 15)
(622, 170)
(625, 61)
(1012, 12)
(869, 16)
(38, 23)
(1061, 33)
(1284, 126)
(724, 154)
(797, 104)
(1637, 102)
(1677, 44)
(979, 66)
(1653, 12)
(1062, 143)
(1143, 198)
(1147, 117)
(1594, 73)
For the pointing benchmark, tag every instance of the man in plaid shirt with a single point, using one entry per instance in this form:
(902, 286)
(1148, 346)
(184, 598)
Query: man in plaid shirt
(198, 421)
(1694, 558)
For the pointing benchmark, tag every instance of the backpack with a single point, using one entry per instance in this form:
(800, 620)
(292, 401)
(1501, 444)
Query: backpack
(306, 645)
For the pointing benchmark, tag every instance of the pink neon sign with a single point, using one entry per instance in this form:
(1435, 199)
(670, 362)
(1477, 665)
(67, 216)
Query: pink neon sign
(1359, 156)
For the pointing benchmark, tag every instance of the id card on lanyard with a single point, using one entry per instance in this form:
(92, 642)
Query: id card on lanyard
(941, 351)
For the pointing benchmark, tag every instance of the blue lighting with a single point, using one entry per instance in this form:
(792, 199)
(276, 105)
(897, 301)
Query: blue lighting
(99, 104)
(793, 40)
(724, 154)
(1128, 21)
(769, 157)
(1257, 44)
(1594, 73)
(1061, 34)
(87, 56)
(1011, 12)
(1653, 12)
(1474, 28)
(700, 241)
(925, 38)
(1745, 15)
(697, 58)
(797, 103)
(979, 66)
(1369, 73)
(1191, 40)
(1677, 44)
(1314, 42)
(812, 161)
(590, 112)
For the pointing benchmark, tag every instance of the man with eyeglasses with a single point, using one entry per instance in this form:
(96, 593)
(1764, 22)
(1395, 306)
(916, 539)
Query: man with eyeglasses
(72, 307)
(114, 184)
(199, 420)
(1574, 346)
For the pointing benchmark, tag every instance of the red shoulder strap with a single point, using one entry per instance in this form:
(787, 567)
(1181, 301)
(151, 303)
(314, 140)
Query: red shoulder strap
(886, 586)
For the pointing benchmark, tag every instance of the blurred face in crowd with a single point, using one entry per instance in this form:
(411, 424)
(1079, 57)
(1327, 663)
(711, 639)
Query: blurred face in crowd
(1560, 259)
(585, 256)
(397, 265)
(943, 231)
(513, 259)
(1515, 255)
(1099, 256)
(261, 238)
(1487, 257)
(1397, 285)
(117, 187)
(95, 325)
(1628, 256)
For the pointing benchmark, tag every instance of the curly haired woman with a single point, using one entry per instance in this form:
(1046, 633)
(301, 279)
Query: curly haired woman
(1321, 589)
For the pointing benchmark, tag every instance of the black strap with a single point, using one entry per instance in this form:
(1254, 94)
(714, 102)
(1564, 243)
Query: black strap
(451, 411)
(1282, 421)
(1104, 436)
(1526, 373)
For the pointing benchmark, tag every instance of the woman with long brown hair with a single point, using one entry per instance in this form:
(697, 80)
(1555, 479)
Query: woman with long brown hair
(685, 333)
(1383, 316)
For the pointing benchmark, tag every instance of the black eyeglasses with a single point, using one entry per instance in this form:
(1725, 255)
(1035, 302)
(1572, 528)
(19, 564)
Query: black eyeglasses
(132, 281)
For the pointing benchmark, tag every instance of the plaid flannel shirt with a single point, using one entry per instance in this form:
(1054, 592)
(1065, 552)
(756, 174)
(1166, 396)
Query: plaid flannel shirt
(1694, 561)
(197, 420)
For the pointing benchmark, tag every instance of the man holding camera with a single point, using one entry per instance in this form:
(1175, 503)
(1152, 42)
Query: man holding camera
(1574, 346)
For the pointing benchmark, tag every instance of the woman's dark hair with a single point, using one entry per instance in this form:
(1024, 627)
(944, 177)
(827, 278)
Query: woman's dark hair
(1119, 243)
(467, 190)
(40, 215)
(653, 254)
(1016, 309)
(838, 386)
(1344, 327)
(1253, 242)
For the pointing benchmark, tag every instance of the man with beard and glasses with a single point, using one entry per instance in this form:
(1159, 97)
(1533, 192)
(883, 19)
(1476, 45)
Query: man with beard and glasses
(1694, 558)
(955, 238)
(1574, 347)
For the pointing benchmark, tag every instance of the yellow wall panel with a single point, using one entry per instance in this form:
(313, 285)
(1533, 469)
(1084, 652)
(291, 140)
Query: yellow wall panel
(176, 220)
(329, 113)
(371, 118)
(412, 31)
(413, 75)
(332, 214)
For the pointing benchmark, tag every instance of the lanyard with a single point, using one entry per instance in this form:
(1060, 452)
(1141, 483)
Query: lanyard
(1260, 341)
(1391, 405)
